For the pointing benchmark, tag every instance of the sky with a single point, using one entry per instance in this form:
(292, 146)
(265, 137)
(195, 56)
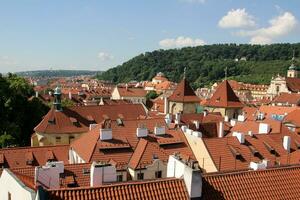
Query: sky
(100, 34)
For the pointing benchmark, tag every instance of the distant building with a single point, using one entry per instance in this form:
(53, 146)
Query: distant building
(135, 95)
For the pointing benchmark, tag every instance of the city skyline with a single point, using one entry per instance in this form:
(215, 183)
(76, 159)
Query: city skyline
(92, 35)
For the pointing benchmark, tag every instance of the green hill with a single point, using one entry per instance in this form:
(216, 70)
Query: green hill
(206, 64)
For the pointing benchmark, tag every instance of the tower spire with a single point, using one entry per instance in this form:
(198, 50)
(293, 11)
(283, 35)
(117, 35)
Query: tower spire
(184, 73)
(226, 72)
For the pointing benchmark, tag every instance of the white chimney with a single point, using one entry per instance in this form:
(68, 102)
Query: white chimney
(263, 128)
(183, 128)
(197, 124)
(166, 105)
(105, 133)
(177, 118)
(141, 132)
(226, 118)
(205, 113)
(101, 103)
(168, 118)
(221, 129)
(261, 165)
(70, 95)
(241, 118)
(36, 94)
(102, 173)
(192, 177)
(159, 130)
(233, 122)
(92, 126)
(239, 136)
(250, 133)
(287, 143)
(48, 175)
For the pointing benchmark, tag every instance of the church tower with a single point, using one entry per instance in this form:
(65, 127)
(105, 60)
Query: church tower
(292, 71)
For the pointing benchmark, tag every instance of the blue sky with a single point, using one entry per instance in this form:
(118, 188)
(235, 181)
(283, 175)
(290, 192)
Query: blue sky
(99, 34)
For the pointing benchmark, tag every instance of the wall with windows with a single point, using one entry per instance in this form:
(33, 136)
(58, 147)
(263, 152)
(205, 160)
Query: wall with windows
(40, 139)
(158, 169)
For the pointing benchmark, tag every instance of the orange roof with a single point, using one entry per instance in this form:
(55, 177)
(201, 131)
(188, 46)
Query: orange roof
(165, 85)
(293, 117)
(18, 157)
(132, 92)
(293, 84)
(160, 78)
(184, 93)
(163, 189)
(60, 122)
(126, 147)
(276, 184)
(278, 110)
(287, 98)
(220, 150)
(224, 97)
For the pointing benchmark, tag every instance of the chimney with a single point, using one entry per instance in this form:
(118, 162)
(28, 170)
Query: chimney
(205, 113)
(141, 131)
(49, 174)
(159, 130)
(36, 94)
(177, 118)
(70, 95)
(192, 176)
(241, 118)
(197, 124)
(184, 128)
(226, 118)
(287, 143)
(105, 130)
(221, 129)
(261, 165)
(92, 126)
(168, 118)
(166, 105)
(57, 100)
(239, 136)
(263, 128)
(102, 173)
(101, 103)
(233, 122)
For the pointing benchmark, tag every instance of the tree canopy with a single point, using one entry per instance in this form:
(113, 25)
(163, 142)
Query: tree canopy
(206, 64)
(19, 111)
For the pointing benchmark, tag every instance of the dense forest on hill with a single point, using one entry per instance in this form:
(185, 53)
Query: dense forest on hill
(57, 73)
(19, 111)
(206, 64)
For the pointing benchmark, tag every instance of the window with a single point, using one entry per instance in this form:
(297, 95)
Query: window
(277, 88)
(9, 196)
(57, 139)
(158, 174)
(119, 178)
(140, 176)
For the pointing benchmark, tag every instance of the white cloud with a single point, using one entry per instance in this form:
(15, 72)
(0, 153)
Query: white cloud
(180, 41)
(103, 56)
(238, 18)
(194, 1)
(279, 26)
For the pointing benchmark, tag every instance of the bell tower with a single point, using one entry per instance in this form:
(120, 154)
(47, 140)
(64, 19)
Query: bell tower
(292, 71)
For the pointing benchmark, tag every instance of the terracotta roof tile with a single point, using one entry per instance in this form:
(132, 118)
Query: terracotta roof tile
(184, 93)
(278, 183)
(162, 189)
(293, 84)
(224, 97)
(18, 157)
(60, 122)
(132, 92)
(287, 98)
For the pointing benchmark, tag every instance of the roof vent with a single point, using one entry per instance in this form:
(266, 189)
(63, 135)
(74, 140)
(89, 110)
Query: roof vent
(141, 131)
(239, 136)
(159, 130)
(264, 128)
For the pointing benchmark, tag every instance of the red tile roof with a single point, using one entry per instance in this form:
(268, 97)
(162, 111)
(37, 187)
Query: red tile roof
(18, 157)
(287, 98)
(293, 84)
(293, 117)
(184, 93)
(152, 189)
(273, 184)
(220, 150)
(97, 150)
(60, 122)
(224, 97)
(132, 92)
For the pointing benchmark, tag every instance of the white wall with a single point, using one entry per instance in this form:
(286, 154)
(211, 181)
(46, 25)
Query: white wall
(10, 183)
